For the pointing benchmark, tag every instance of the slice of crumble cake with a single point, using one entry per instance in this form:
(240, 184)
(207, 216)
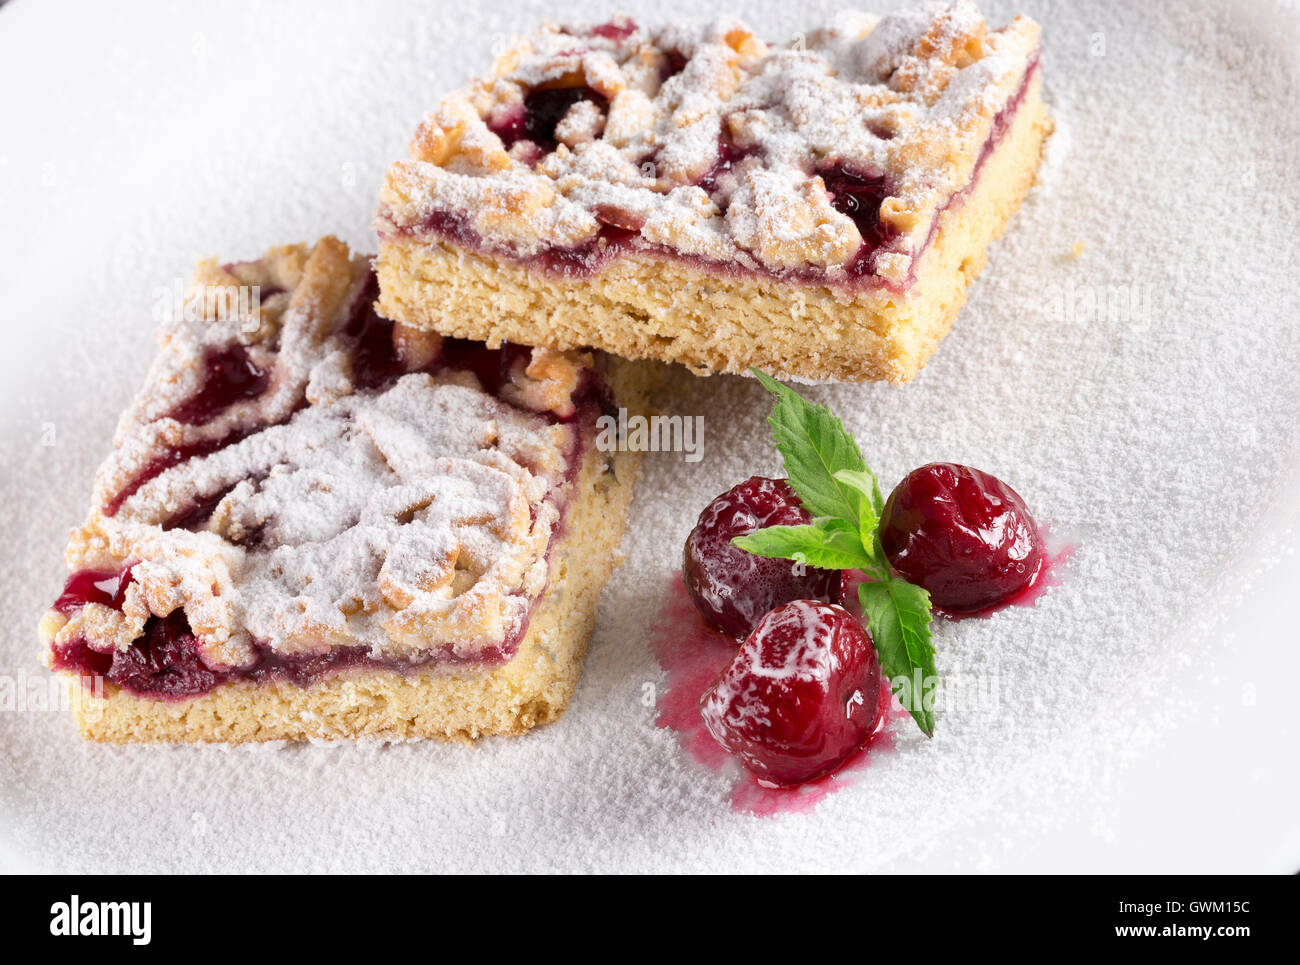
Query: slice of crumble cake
(316, 523)
(697, 195)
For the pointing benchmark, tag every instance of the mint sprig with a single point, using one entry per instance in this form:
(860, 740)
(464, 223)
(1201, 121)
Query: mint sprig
(825, 467)
(814, 446)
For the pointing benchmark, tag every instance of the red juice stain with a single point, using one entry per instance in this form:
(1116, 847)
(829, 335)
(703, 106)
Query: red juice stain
(1055, 555)
(692, 655)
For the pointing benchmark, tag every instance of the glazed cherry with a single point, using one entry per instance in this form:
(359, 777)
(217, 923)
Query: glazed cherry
(964, 535)
(733, 589)
(800, 696)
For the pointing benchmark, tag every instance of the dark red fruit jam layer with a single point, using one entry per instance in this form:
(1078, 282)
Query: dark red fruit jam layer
(164, 663)
(853, 192)
(1001, 122)
(613, 30)
(730, 154)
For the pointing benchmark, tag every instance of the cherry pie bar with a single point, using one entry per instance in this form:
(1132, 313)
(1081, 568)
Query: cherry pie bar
(316, 523)
(698, 195)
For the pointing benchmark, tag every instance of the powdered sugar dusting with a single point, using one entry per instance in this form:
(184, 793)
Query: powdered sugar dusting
(411, 521)
(1142, 398)
(911, 99)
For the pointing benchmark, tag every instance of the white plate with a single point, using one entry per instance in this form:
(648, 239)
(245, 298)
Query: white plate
(1146, 723)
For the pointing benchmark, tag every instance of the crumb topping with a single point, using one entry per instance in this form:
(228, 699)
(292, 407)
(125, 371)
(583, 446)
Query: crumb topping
(411, 517)
(709, 142)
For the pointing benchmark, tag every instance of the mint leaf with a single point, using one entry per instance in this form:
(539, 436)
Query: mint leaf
(814, 445)
(898, 615)
(829, 544)
(864, 481)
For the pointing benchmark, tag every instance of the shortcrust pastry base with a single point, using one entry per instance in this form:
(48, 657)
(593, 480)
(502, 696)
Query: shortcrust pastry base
(642, 307)
(533, 688)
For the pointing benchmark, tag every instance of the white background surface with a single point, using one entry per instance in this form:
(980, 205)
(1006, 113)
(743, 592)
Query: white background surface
(1152, 720)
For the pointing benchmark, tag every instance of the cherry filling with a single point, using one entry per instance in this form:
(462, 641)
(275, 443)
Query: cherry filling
(729, 155)
(854, 193)
(376, 363)
(733, 589)
(164, 663)
(674, 63)
(198, 513)
(859, 196)
(586, 259)
(229, 377)
(615, 30)
(541, 113)
(107, 588)
(491, 366)
(170, 457)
